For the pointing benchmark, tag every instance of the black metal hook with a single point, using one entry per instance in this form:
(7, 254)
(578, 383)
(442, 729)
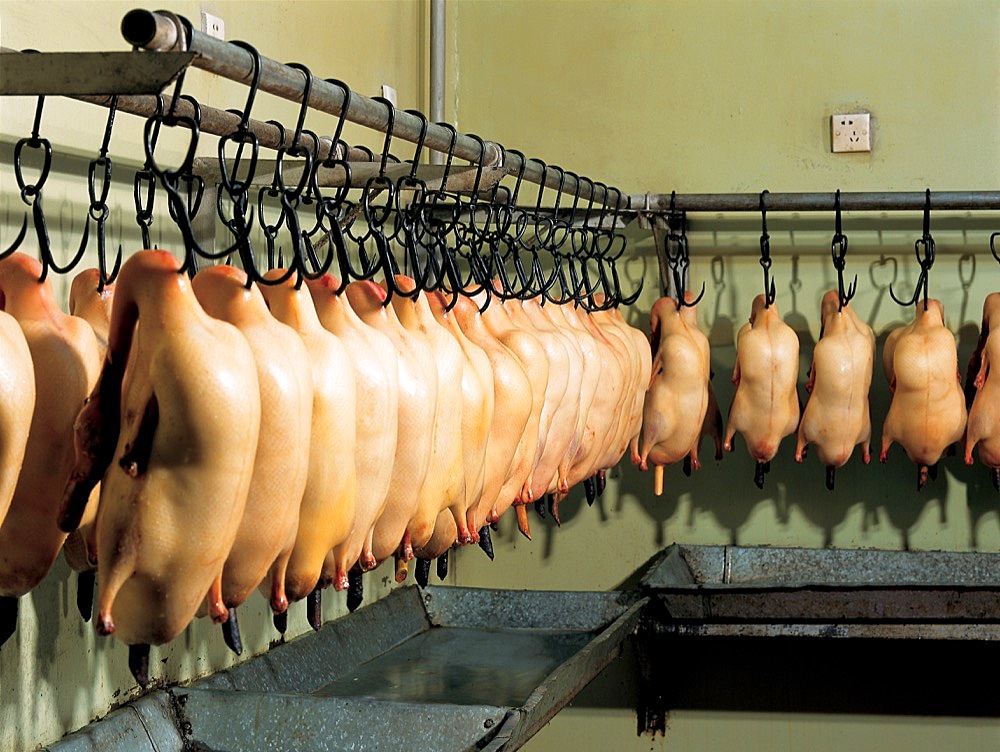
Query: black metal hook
(242, 136)
(144, 187)
(838, 251)
(98, 210)
(451, 154)
(923, 249)
(31, 194)
(765, 255)
(993, 245)
(680, 260)
(180, 207)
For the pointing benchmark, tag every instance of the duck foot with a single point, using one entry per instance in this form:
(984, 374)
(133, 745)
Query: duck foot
(402, 568)
(231, 633)
(85, 594)
(314, 609)
(553, 502)
(355, 589)
(281, 622)
(422, 573)
(602, 482)
(8, 618)
(590, 489)
(522, 520)
(138, 663)
(831, 474)
(486, 542)
(442, 566)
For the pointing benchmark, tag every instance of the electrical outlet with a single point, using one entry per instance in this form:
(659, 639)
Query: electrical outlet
(213, 26)
(851, 132)
(389, 93)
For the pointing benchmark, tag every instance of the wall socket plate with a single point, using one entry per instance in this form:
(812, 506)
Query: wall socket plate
(213, 26)
(851, 132)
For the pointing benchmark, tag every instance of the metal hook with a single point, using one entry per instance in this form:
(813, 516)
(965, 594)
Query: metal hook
(451, 154)
(390, 125)
(765, 255)
(993, 245)
(923, 249)
(98, 210)
(179, 208)
(838, 251)
(31, 195)
(679, 262)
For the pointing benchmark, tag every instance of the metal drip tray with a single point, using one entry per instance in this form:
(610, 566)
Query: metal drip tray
(436, 669)
(729, 590)
(462, 666)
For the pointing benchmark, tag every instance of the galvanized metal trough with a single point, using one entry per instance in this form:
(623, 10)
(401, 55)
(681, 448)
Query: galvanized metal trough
(761, 591)
(436, 669)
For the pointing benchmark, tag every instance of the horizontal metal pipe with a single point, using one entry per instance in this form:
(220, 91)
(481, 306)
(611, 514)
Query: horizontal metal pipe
(215, 121)
(148, 30)
(807, 202)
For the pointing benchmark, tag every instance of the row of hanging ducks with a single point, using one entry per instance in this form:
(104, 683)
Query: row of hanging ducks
(927, 416)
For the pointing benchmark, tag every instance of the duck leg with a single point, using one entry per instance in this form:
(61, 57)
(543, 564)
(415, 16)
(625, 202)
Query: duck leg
(231, 633)
(138, 663)
(355, 589)
(442, 566)
(486, 541)
(422, 572)
(314, 608)
(8, 618)
(85, 594)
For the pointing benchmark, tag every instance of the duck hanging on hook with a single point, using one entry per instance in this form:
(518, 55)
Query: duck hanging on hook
(927, 413)
(983, 430)
(679, 407)
(837, 416)
(765, 406)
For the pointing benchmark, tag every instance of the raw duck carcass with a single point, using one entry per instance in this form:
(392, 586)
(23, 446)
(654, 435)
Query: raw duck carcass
(637, 363)
(327, 513)
(983, 430)
(579, 394)
(267, 532)
(173, 448)
(557, 422)
(65, 361)
(513, 403)
(91, 301)
(373, 358)
(676, 402)
(17, 403)
(765, 406)
(530, 353)
(444, 484)
(479, 465)
(417, 407)
(604, 372)
(837, 416)
(596, 402)
(927, 412)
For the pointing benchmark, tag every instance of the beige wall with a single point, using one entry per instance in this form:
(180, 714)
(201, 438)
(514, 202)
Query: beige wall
(735, 96)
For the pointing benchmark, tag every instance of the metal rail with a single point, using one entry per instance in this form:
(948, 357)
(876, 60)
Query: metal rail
(158, 31)
(215, 121)
(661, 203)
